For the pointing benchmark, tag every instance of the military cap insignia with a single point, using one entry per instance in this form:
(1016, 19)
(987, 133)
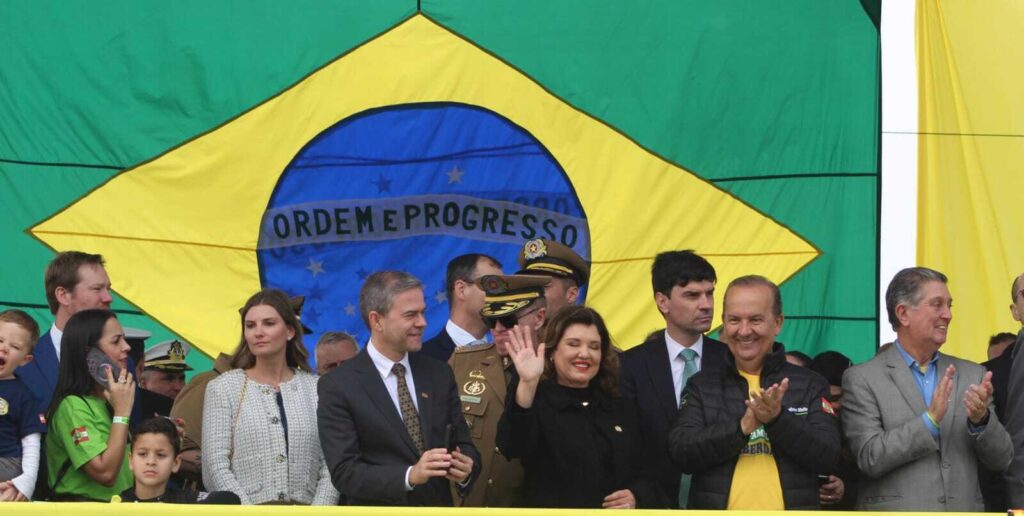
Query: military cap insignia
(478, 374)
(176, 353)
(495, 284)
(535, 249)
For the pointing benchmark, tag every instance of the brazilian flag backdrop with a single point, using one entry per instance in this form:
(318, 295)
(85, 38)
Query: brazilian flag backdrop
(207, 149)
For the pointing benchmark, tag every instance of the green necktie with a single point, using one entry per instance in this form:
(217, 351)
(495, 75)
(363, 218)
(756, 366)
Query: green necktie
(689, 357)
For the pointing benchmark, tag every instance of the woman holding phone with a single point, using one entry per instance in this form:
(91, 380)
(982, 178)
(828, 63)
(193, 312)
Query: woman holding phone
(260, 438)
(87, 442)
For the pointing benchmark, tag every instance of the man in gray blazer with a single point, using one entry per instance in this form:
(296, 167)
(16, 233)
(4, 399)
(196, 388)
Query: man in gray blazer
(918, 421)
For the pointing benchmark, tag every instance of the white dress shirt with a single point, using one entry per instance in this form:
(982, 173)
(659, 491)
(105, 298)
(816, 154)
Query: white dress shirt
(384, 365)
(677, 362)
(459, 336)
(56, 336)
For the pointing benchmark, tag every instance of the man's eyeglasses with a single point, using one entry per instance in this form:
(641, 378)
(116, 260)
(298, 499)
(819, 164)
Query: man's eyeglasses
(507, 321)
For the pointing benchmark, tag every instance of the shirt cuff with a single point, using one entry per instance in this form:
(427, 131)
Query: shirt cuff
(973, 429)
(465, 483)
(408, 486)
(931, 426)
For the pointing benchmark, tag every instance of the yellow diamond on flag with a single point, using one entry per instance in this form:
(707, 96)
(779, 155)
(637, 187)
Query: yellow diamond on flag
(180, 232)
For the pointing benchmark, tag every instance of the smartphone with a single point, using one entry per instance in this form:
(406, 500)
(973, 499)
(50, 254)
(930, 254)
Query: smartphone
(822, 480)
(449, 437)
(98, 363)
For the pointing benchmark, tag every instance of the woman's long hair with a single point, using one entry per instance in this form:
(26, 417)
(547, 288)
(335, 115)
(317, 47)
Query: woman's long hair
(82, 333)
(295, 351)
(607, 378)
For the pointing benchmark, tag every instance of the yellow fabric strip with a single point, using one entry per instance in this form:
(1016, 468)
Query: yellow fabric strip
(972, 124)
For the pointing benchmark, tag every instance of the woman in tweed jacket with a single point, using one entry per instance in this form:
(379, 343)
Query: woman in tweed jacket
(260, 437)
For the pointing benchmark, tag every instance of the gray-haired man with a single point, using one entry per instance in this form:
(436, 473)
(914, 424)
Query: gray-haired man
(919, 421)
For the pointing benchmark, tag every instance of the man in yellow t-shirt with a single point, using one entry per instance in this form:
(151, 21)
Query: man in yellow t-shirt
(755, 482)
(756, 433)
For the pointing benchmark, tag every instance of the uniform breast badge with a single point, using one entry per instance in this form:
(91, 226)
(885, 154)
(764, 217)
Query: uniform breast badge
(474, 387)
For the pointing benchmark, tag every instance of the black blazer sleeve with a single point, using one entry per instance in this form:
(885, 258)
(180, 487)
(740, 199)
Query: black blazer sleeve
(696, 445)
(519, 428)
(645, 488)
(351, 473)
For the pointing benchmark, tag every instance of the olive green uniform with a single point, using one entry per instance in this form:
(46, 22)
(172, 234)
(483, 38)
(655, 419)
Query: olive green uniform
(480, 378)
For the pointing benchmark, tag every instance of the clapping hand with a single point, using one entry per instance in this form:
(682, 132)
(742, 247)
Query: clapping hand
(940, 398)
(976, 399)
(766, 404)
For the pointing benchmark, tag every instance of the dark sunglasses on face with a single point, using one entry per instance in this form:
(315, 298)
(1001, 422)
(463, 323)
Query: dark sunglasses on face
(507, 321)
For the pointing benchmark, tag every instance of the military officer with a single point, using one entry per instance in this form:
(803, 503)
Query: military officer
(568, 270)
(483, 373)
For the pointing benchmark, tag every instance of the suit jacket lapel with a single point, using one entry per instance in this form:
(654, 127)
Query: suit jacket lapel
(660, 373)
(424, 390)
(714, 354)
(446, 342)
(902, 377)
(373, 384)
(47, 360)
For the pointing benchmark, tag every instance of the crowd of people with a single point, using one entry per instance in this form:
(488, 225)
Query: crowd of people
(521, 400)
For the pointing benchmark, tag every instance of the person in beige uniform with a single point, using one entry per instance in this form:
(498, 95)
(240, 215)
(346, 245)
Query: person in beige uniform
(189, 407)
(483, 373)
(569, 272)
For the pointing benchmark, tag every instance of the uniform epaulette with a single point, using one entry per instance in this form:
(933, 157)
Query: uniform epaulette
(474, 347)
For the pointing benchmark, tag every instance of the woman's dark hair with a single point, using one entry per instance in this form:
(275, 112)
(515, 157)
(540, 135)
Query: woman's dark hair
(608, 373)
(295, 351)
(81, 334)
(159, 425)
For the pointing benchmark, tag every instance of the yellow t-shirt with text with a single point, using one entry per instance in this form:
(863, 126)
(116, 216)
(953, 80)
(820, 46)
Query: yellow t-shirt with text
(755, 483)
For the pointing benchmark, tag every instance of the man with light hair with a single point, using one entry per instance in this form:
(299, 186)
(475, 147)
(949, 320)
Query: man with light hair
(390, 420)
(918, 421)
(333, 349)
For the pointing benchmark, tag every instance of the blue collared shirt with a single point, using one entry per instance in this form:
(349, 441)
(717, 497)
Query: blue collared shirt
(926, 377)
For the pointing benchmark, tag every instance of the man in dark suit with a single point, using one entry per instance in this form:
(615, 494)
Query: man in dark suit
(74, 281)
(382, 415)
(465, 299)
(654, 373)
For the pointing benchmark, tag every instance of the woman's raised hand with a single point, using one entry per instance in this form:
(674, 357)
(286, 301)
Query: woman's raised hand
(529, 359)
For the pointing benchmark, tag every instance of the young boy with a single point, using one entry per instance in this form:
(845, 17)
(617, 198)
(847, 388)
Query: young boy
(156, 450)
(20, 423)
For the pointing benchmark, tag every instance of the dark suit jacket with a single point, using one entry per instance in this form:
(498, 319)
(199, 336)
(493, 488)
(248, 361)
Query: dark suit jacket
(993, 488)
(1000, 367)
(645, 378)
(40, 375)
(440, 347)
(365, 442)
